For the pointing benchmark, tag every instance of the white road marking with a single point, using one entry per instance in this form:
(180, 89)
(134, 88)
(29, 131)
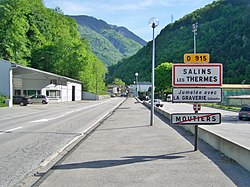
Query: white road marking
(39, 121)
(67, 113)
(10, 130)
(50, 158)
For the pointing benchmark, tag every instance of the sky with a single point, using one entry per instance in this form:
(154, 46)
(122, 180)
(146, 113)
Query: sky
(132, 14)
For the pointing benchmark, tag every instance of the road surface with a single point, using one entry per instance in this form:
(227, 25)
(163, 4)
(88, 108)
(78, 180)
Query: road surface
(32, 136)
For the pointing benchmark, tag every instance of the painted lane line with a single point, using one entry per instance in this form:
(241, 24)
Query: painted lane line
(67, 113)
(39, 121)
(82, 134)
(70, 112)
(10, 130)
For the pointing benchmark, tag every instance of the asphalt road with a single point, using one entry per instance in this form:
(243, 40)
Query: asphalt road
(31, 136)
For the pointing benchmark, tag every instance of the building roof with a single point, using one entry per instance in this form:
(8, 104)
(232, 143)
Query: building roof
(144, 83)
(19, 69)
(236, 86)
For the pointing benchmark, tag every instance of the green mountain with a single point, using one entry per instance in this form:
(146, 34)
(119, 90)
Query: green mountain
(223, 32)
(109, 42)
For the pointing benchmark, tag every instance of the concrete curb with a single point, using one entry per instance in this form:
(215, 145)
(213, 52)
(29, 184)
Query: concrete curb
(232, 150)
(33, 177)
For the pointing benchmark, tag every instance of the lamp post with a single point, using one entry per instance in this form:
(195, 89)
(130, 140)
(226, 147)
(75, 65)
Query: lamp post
(153, 22)
(136, 79)
(135, 88)
(194, 30)
(96, 81)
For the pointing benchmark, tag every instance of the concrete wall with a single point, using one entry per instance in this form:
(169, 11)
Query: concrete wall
(232, 150)
(78, 91)
(6, 81)
(5, 78)
(239, 101)
(89, 96)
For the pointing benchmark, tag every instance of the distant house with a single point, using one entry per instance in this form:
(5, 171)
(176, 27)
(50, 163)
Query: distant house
(142, 87)
(113, 89)
(20, 80)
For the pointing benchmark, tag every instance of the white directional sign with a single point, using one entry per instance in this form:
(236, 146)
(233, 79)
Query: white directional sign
(196, 118)
(197, 75)
(196, 95)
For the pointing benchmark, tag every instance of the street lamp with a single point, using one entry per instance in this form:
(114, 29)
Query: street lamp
(135, 88)
(153, 22)
(136, 78)
(96, 81)
(194, 30)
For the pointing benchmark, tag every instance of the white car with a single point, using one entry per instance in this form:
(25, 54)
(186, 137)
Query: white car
(157, 103)
(39, 99)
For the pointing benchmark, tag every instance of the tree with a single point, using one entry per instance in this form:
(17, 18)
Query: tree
(163, 76)
(119, 82)
(32, 35)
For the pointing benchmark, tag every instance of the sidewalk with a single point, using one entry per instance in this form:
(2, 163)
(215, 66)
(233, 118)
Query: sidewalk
(126, 151)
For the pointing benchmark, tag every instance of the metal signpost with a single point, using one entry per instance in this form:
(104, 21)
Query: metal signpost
(196, 83)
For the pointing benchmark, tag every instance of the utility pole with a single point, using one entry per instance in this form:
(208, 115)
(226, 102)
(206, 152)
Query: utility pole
(194, 30)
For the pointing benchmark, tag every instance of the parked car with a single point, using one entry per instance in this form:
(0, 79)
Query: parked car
(39, 99)
(157, 102)
(244, 113)
(20, 100)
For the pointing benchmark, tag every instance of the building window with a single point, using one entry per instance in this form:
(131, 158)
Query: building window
(17, 92)
(31, 92)
(53, 93)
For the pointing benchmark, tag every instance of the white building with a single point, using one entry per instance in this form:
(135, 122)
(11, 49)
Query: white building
(20, 80)
(143, 87)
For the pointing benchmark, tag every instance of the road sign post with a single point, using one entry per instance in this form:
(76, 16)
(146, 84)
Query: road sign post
(196, 136)
(196, 81)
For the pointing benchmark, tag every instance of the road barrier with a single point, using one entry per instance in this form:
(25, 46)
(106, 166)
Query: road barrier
(231, 149)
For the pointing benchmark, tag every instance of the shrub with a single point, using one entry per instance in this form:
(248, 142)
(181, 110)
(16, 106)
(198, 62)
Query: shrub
(2, 101)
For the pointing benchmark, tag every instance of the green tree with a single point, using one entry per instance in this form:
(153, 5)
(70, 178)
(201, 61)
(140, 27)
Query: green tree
(163, 76)
(119, 82)
(42, 38)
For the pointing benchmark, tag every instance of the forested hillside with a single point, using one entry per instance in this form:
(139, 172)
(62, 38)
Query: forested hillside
(34, 36)
(109, 42)
(223, 32)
